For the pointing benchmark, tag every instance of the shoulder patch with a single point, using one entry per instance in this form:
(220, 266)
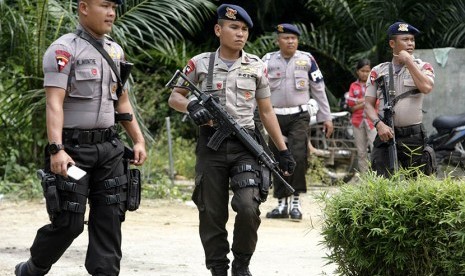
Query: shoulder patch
(190, 67)
(62, 58)
(373, 76)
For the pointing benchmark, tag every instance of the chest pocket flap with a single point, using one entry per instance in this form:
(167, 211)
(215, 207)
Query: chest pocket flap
(86, 82)
(246, 91)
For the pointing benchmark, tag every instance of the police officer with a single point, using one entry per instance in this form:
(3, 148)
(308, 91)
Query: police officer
(80, 90)
(413, 78)
(292, 75)
(237, 79)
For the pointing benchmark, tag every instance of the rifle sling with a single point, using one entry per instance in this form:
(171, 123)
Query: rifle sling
(84, 35)
(211, 66)
(404, 95)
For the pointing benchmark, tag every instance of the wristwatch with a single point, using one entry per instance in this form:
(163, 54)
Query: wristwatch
(54, 148)
(376, 121)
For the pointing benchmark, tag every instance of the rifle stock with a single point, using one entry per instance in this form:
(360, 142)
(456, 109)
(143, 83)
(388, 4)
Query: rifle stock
(226, 125)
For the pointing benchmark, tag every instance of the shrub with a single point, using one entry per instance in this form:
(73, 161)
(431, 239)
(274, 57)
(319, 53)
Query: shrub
(396, 227)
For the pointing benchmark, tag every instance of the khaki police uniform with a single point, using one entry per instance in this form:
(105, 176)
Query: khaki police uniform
(408, 115)
(237, 89)
(90, 138)
(291, 82)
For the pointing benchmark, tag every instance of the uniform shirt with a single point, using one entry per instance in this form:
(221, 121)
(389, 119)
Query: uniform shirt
(73, 64)
(236, 88)
(407, 111)
(291, 81)
(357, 91)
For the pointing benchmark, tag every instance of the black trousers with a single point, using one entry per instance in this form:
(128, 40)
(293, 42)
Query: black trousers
(211, 195)
(101, 161)
(295, 127)
(410, 144)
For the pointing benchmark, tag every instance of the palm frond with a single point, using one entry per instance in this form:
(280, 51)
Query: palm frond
(143, 24)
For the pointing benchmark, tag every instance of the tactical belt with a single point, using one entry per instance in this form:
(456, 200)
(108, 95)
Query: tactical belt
(408, 130)
(88, 137)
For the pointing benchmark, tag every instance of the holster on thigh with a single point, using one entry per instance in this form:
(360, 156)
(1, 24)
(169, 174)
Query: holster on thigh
(55, 187)
(255, 176)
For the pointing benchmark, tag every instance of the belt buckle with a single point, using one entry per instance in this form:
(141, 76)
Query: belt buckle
(97, 137)
(85, 137)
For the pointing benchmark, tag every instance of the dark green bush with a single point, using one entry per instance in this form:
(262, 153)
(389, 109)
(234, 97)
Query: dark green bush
(396, 227)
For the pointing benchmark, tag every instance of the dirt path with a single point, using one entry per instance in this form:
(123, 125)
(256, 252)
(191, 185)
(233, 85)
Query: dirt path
(161, 239)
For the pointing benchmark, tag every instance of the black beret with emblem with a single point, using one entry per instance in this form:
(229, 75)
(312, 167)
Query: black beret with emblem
(286, 28)
(399, 28)
(119, 2)
(235, 13)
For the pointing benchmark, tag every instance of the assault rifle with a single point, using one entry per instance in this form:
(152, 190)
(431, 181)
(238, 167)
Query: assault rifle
(388, 115)
(226, 126)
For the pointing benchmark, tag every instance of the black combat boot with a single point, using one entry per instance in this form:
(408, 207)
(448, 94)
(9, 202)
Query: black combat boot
(29, 269)
(281, 211)
(295, 212)
(240, 265)
(219, 270)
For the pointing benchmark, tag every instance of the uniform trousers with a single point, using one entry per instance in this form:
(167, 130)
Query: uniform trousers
(410, 144)
(211, 195)
(102, 161)
(364, 137)
(295, 127)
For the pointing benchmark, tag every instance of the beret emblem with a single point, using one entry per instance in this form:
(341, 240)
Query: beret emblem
(230, 13)
(403, 28)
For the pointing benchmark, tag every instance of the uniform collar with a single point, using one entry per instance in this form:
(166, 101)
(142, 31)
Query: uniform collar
(296, 54)
(245, 58)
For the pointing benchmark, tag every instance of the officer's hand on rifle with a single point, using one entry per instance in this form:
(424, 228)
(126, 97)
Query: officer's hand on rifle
(385, 133)
(286, 162)
(198, 113)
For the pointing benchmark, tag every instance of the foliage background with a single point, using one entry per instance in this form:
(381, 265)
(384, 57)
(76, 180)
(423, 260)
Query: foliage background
(396, 226)
(159, 36)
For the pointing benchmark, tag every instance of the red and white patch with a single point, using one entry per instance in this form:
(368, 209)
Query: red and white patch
(428, 69)
(190, 67)
(219, 85)
(62, 59)
(62, 53)
(61, 62)
(373, 77)
(94, 71)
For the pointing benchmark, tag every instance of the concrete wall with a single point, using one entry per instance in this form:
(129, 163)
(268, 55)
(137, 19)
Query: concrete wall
(448, 96)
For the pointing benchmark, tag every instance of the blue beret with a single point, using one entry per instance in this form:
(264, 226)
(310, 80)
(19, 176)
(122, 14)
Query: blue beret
(402, 28)
(235, 13)
(286, 28)
(119, 2)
